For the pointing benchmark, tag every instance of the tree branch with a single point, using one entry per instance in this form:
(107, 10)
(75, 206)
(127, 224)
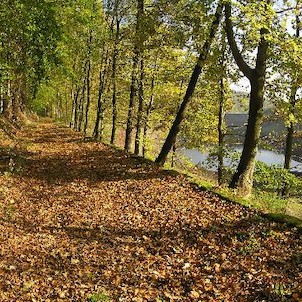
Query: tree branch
(243, 66)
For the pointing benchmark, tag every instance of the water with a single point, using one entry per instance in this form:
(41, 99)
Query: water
(266, 156)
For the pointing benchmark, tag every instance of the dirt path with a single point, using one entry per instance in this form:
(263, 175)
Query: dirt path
(83, 222)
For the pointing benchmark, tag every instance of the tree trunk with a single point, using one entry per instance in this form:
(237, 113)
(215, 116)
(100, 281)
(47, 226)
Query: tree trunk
(100, 103)
(291, 129)
(140, 109)
(88, 85)
(170, 140)
(221, 132)
(133, 88)
(81, 103)
(148, 113)
(76, 108)
(114, 67)
(221, 114)
(133, 91)
(71, 121)
(243, 178)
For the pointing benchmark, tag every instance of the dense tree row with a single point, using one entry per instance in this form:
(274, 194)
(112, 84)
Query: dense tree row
(153, 75)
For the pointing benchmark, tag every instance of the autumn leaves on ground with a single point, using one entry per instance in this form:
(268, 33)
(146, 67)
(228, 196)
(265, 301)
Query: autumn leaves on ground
(83, 222)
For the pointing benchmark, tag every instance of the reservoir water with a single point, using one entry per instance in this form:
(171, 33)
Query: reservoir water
(266, 156)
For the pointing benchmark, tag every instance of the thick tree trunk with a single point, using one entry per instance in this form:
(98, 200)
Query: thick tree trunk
(243, 178)
(170, 140)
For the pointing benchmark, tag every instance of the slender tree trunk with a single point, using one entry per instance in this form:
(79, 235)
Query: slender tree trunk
(1, 99)
(290, 130)
(88, 84)
(221, 132)
(71, 121)
(140, 109)
(288, 152)
(114, 67)
(133, 91)
(221, 114)
(148, 113)
(81, 102)
(100, 102)
(133, 88)
(170, 140)
(76, 108)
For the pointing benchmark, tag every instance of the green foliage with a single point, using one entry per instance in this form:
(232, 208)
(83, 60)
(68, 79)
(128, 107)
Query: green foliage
(101, 297)
(274, 179)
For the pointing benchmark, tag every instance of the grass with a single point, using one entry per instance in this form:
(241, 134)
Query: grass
(100, 297)
(270, 204)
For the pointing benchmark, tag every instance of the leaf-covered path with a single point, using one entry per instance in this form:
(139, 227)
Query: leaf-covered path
(84, 222)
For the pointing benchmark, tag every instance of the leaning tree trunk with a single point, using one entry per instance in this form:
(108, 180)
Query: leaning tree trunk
(171, 138)
(243, 177)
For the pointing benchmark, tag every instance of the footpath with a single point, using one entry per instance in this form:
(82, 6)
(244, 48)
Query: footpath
(80, 221)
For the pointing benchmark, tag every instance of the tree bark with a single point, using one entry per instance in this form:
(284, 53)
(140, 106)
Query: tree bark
(100, 102)
(288, 152)
(148, 113)
(140, 109)
(221, 114)
(133, 88)
(243, 177)
(290, 130)
(88, 84)
(170, 140)
(221, 132)
(114, 67)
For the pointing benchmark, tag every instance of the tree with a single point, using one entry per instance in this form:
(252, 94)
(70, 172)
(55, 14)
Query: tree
(29, 36)
(138, 45)
(170, 140)
(243, 177)
(292, 104)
